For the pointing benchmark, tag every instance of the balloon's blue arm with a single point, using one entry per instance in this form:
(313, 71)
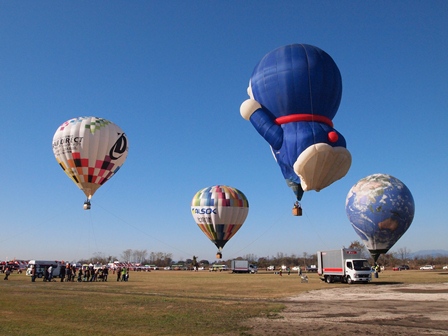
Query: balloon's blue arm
(263, 121)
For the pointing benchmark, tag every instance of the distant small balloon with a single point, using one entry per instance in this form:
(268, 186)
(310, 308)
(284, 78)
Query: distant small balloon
(380, 208)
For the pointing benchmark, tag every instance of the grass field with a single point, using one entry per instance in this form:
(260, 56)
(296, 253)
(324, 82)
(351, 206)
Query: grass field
(160, 302)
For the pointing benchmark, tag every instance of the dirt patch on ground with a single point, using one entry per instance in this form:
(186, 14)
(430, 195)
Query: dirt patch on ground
(418, 309)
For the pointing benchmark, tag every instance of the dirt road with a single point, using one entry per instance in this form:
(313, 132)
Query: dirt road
(419, 309)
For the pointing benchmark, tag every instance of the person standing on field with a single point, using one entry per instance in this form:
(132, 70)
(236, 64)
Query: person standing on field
(62, 273)
(118, 273)
(7, 273)
(105, 273)
(68, 272)
(50, 273)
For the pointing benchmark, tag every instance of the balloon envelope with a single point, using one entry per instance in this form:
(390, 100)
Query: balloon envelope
(219, 211)
(299, 89)
(381, 209)
(90, 150)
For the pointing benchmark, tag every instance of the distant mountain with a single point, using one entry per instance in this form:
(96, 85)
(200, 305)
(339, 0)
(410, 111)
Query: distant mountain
(432, 253)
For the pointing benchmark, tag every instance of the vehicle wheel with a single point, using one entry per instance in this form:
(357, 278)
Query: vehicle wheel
(329, 279)
(349, 280)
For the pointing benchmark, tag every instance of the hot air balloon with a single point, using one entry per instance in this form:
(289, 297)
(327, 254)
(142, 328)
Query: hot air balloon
(295, 92)
(90, 150)
(381, 209)
(219, 211)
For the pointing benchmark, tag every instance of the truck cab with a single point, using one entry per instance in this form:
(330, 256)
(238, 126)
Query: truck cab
(357, 270)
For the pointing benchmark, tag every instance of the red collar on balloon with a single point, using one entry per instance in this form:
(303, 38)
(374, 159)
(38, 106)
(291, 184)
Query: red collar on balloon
(303, 117)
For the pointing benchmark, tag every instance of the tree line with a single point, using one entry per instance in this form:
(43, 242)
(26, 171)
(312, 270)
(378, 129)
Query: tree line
(162, 259)
(142, 257)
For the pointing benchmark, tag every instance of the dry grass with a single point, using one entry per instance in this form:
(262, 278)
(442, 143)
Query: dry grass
(159, 302)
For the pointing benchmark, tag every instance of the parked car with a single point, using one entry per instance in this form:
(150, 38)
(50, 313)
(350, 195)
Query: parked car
(445, 267)
(401, 268)
(427, 267)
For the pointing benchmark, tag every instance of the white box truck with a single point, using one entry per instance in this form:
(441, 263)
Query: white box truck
(344, 265)
(243, 266)
(42, 265)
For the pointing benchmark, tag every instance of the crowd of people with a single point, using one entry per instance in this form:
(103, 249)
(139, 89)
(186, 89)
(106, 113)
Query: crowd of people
(71, 273)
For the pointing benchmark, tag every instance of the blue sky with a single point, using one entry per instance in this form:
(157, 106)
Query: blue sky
(172, 75)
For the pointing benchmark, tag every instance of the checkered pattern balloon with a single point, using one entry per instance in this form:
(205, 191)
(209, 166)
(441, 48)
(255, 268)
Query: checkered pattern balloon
(219, 211)
(90, 150)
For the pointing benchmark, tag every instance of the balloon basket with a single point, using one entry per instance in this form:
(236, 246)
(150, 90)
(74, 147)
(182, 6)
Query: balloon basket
(297, 209)
(218, 255)
(86, 205)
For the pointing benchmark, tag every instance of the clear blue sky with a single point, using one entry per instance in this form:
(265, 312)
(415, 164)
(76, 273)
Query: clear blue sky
(172, 75)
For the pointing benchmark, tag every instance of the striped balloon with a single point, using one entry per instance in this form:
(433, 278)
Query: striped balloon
(219, 211)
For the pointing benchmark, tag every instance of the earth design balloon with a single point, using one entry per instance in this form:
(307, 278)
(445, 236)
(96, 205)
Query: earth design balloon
(381, 209)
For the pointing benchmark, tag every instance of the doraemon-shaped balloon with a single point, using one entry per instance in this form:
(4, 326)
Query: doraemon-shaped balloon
(295, 92)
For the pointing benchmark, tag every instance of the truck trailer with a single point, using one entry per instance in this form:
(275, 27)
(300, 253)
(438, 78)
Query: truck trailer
(344, 265)
(243, 266)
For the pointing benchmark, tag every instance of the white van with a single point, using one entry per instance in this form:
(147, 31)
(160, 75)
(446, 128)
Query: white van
(42, 265)
(216, 268)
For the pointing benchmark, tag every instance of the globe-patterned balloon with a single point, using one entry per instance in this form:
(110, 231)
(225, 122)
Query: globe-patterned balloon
(381, 208)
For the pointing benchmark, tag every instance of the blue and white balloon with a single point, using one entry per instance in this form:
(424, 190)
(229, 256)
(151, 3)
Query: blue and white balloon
(381, 209)
(294, 93)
